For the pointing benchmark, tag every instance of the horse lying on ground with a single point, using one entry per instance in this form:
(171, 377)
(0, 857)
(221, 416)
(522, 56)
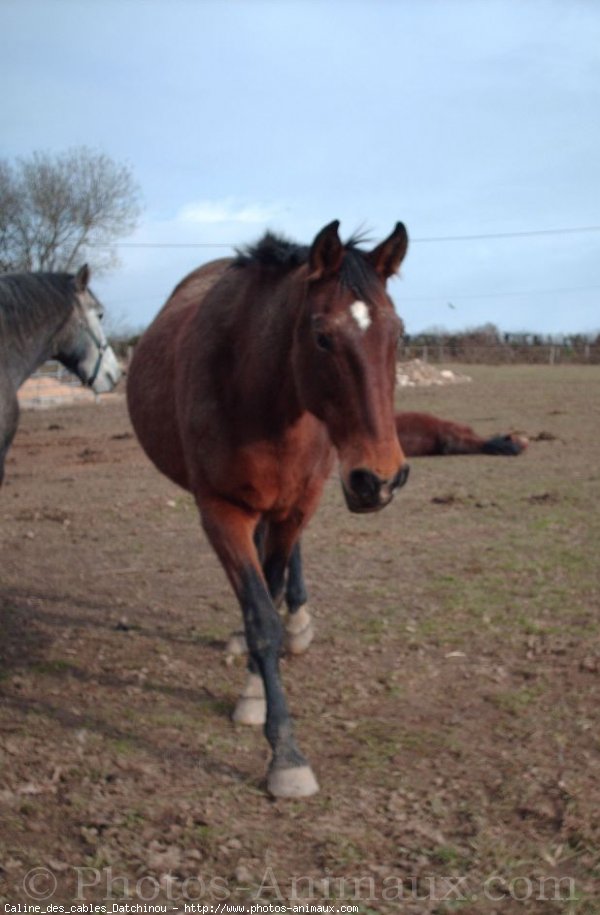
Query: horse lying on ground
(256, 375)
(421, 435)
(49, 316)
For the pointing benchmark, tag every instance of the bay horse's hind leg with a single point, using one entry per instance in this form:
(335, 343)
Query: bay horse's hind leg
(230, 530)
(457, 439)
(504, 445)
(299, 626)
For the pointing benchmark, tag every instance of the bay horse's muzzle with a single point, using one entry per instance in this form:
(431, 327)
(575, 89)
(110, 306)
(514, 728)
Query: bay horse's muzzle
(367, 492)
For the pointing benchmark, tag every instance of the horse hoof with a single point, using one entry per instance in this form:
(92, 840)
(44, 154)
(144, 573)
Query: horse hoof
(297, 782)
(237, 644)
(250, 711)
(299, 631)
(251, 707)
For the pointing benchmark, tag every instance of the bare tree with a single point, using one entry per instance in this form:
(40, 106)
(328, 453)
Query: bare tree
(59, 210)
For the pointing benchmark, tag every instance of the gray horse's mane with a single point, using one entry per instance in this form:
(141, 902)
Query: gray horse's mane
(28, 300)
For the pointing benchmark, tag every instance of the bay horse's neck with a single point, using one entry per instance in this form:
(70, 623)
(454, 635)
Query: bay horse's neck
(262, 388)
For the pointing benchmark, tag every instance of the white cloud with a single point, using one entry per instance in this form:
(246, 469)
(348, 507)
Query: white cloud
(226, 210)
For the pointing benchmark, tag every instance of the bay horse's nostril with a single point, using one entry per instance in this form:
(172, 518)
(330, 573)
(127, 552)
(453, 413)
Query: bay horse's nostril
(401, 477)
(366, 485)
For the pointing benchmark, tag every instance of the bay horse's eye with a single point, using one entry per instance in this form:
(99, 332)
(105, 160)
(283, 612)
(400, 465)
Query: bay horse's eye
(324, 342)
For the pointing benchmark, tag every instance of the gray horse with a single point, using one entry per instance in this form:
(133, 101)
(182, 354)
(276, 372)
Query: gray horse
(49, 316)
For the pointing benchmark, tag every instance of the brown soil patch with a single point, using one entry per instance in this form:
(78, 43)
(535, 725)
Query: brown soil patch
(448, 704)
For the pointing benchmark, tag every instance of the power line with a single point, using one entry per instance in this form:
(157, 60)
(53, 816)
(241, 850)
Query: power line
(498, 295)
(446, 297)
(529, 233)
(160, 244)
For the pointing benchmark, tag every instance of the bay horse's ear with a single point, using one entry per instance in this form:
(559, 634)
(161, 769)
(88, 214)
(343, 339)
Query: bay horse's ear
(82, 278)
(387, 257)
(326, 253)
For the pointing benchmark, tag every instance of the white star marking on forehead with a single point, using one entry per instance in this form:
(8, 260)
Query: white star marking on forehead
(360, 313)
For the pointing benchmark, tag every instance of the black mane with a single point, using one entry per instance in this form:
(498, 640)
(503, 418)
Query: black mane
(273, 251)
(278, 252)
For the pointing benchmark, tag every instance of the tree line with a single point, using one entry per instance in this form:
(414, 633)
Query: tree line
(487, 344)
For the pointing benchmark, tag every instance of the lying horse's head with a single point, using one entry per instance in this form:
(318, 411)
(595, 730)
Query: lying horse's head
(345, 359)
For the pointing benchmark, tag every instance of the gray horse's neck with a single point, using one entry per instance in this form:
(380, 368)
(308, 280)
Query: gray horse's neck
(33, 310)
(25, 353)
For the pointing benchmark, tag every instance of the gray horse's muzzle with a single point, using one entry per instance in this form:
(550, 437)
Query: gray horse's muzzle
(106, 373)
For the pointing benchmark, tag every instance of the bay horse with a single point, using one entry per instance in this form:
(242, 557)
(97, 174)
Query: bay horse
(49, 316)
(422, 434)
(258, 372)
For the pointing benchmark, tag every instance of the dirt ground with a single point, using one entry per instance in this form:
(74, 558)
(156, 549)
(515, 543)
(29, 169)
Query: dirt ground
(449, 703)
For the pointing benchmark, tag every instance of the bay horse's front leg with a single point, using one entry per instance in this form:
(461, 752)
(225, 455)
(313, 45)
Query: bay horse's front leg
(230, 530)
(299, 629)
(282, 566)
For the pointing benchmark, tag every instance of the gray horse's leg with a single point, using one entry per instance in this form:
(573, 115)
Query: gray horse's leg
(9, 419)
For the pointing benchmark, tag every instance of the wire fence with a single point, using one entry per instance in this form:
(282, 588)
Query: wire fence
(430, 348)
(57, 371)
(53, 385)
(442, 349)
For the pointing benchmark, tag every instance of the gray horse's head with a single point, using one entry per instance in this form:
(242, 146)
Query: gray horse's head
(81, 343)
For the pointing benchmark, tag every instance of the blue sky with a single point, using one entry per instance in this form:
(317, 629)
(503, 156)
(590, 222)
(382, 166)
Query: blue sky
(461, 117)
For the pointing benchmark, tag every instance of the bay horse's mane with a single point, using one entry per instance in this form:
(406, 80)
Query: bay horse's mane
(272, 251)
(280, 253)
(28, 298)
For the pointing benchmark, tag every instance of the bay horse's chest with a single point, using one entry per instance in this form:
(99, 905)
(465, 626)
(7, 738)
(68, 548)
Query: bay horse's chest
(277, 476)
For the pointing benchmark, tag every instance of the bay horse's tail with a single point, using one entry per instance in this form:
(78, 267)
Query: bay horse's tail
(422, 434)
